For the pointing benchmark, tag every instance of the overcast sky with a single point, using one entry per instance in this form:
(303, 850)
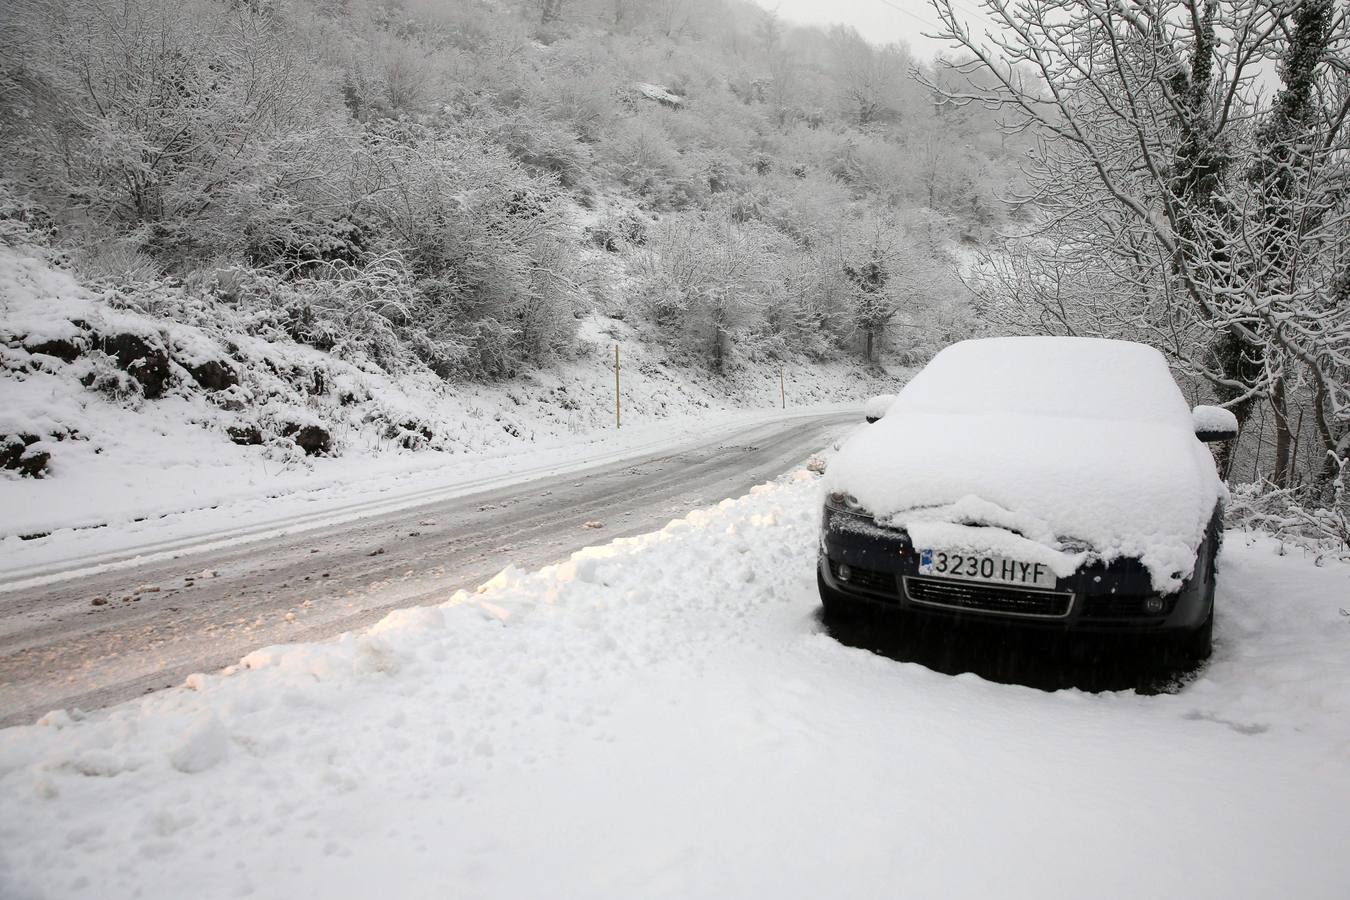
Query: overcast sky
(880, 21)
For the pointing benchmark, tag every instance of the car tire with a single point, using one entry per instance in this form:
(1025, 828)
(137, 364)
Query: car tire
(1199, 643)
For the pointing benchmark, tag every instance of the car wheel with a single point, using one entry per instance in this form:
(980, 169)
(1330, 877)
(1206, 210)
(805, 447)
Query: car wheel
(1199, 644)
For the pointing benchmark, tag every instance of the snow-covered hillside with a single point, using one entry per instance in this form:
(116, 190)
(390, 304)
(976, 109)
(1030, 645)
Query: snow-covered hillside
(131, 406)
(664, 717)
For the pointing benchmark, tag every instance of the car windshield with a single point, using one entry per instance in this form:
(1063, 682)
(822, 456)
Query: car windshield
(1051, 376)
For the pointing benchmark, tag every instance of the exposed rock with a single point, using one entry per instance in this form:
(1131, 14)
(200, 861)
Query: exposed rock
(248, 435)
(659, 93)
(214, 375)
(65, 349)
(313, 439)
(411, 435)
(19, 453)
(34, 462)
(145, 362)
(12, 447)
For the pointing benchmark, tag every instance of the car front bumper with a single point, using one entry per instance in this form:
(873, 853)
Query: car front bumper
(1115, 599)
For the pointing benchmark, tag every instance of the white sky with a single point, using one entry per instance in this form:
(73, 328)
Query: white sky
(880, 21)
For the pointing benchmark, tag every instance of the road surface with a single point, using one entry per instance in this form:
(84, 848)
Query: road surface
(99, 639)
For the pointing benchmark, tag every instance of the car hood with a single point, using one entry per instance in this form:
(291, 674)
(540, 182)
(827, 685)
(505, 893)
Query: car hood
(1024, 485)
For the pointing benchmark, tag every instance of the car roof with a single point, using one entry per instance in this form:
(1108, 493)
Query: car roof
(1075, 377)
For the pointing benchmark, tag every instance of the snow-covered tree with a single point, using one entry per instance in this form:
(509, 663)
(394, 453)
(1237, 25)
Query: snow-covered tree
(1199, 216)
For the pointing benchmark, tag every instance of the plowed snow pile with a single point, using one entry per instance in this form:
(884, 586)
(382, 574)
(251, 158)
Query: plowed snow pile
(663, 717)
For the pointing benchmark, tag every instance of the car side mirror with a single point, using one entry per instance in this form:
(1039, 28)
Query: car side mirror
(875, 408)
(1214, 423)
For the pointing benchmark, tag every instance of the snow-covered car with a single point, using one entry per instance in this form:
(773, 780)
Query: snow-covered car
(875, 407)
(1046, 481)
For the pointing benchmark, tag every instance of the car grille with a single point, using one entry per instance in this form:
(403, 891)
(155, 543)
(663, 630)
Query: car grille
(1124, 605)
(870, 580)
(990, 598)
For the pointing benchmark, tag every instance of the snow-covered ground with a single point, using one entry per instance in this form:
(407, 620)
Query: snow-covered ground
(664, 716)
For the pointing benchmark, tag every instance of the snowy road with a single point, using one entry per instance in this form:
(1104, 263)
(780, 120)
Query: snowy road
(162, 621)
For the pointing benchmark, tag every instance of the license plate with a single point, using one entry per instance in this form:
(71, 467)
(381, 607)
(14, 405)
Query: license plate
(979, 567)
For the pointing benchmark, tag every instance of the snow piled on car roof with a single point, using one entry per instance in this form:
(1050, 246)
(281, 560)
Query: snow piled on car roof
(1091, 378)
(1050, 440)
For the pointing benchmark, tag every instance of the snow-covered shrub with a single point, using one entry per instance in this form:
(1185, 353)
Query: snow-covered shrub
(804, 207)
(176, 115)
(116, 261)
(578, 90)
(1293, 515)
(388, 77)
(354, 313)
(22, 220)
(544, 146)
(297, 240)
(482, 239)
(642, 158)
(708, 282)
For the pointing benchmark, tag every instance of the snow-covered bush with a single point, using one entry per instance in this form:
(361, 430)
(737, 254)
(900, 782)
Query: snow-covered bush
(116, 261)
(1295, 516)
(22, 220)
(642, 158)
(708, 283)
(181, 117)
(481, 239)
(298, 239)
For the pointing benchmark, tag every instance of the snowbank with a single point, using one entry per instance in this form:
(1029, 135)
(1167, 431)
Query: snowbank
(662, 717)
(1058, 440)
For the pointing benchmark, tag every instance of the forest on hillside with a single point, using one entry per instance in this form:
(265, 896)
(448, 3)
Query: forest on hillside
(454, 184)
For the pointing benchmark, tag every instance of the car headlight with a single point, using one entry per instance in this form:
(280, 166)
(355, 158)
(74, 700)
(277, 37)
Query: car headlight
(844, 501)
(1071, 545)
